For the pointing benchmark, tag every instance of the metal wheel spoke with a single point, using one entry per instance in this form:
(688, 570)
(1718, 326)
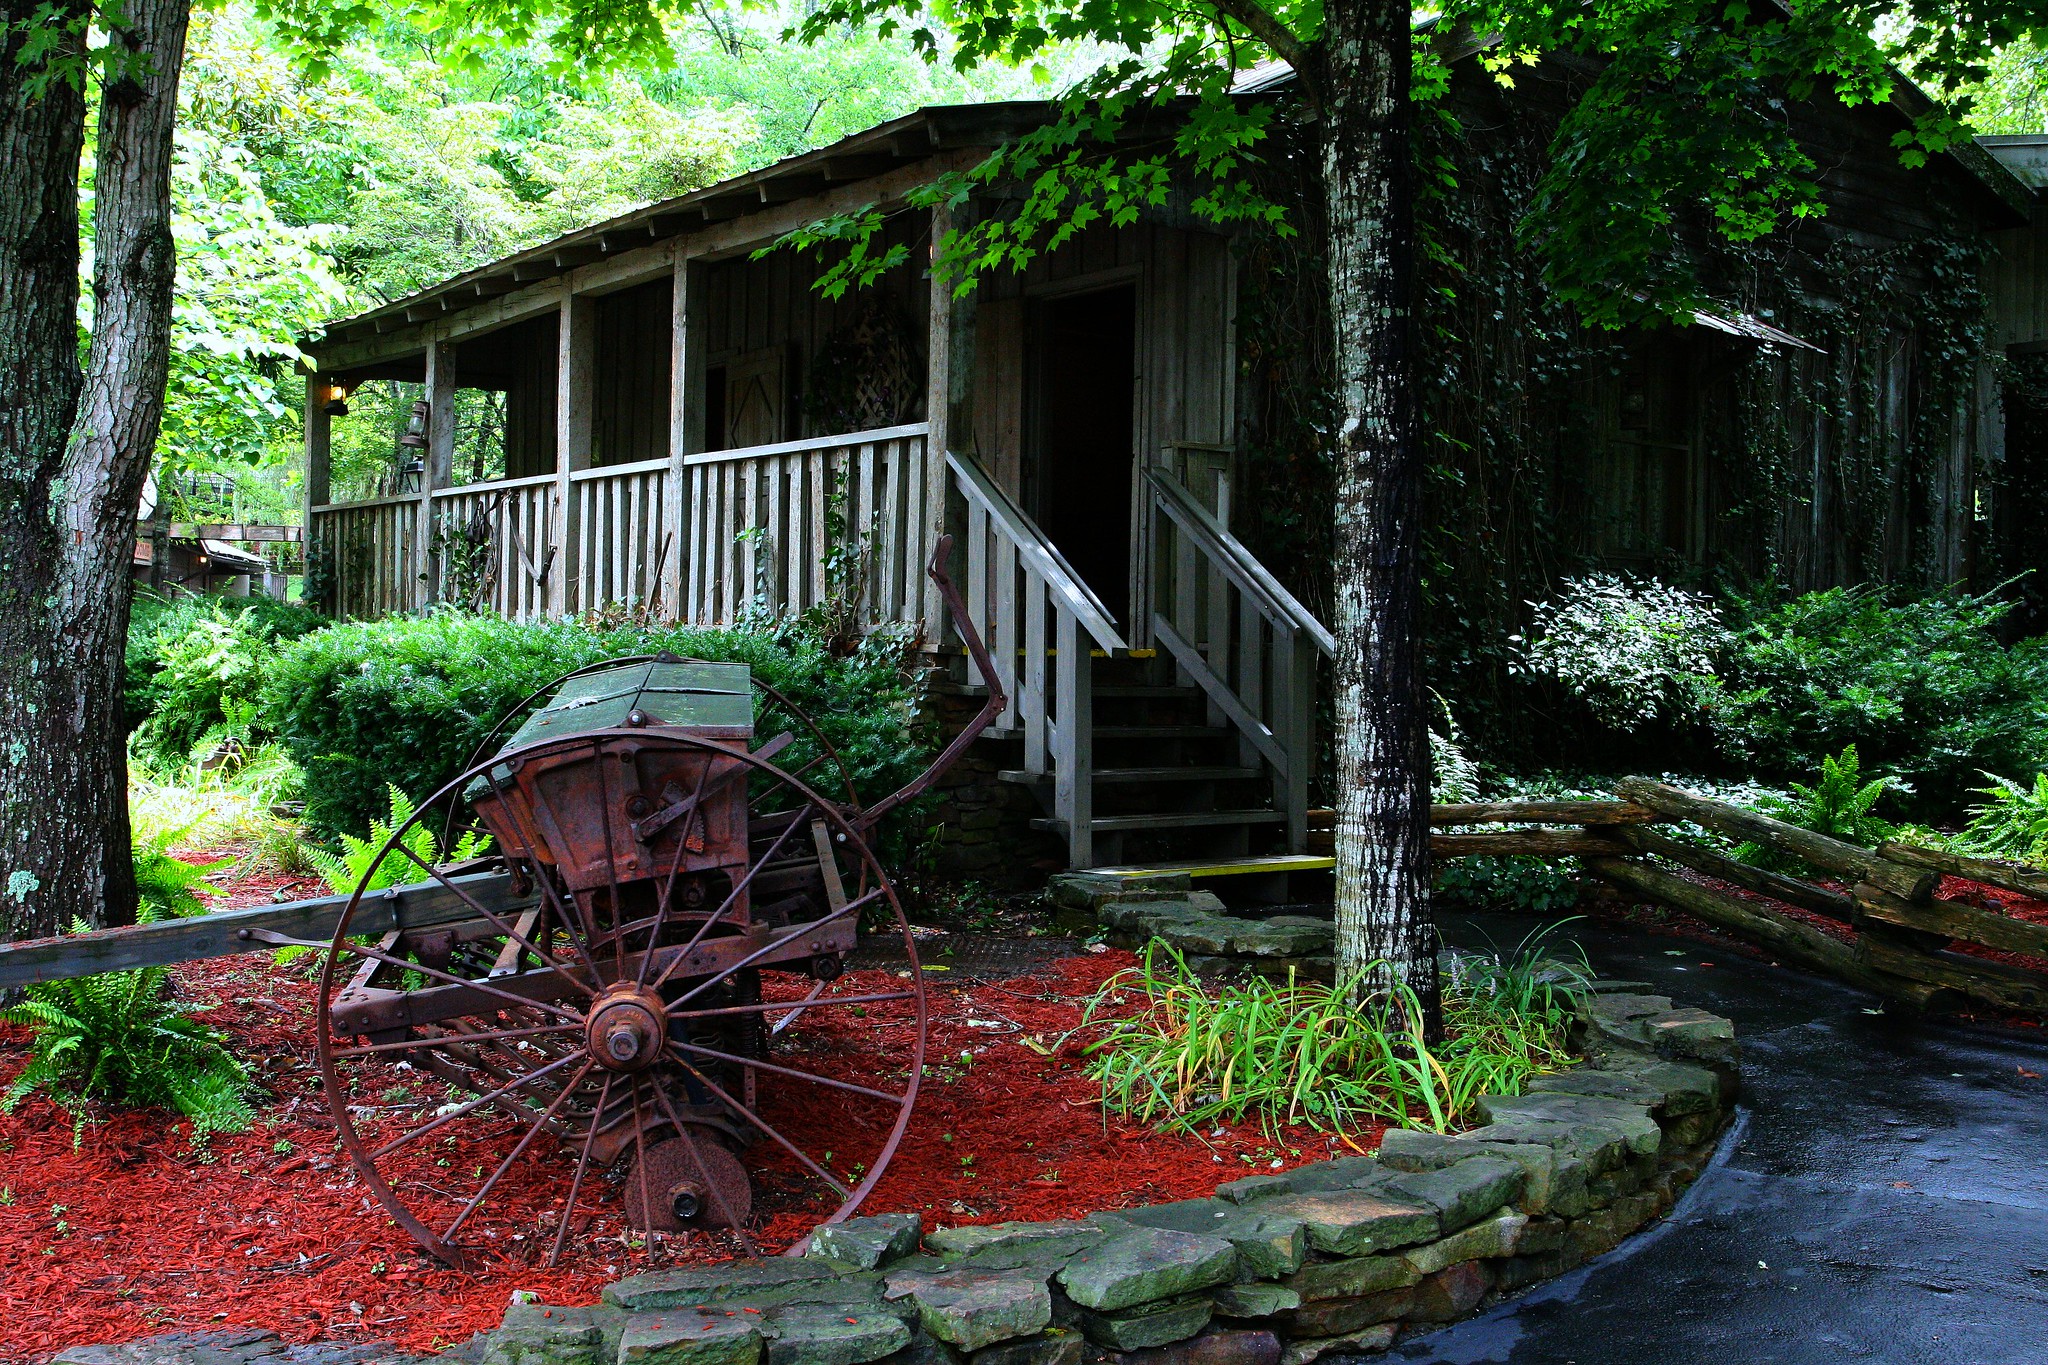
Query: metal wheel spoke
(441, 1040)
(546, 959)
(565, 919)
(852, 907)
(453, 980)
(479, 1102)
(731, 899)
(711, 1186)
(770, 1133)
(813, 1001)
(640, 1162)
(532, 1131)
(582, 1164)
(790, 1072)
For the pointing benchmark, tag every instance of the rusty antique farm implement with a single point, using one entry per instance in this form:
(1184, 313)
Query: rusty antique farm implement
(644, 971)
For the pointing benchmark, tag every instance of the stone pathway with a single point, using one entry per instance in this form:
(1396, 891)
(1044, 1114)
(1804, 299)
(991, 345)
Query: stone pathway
(1885, 1199)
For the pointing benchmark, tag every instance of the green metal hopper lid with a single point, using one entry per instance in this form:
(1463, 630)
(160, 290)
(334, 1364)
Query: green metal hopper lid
(715, 700)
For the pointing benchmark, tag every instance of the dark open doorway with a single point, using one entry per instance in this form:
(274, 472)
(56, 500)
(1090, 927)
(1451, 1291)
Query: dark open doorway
(1084, 361)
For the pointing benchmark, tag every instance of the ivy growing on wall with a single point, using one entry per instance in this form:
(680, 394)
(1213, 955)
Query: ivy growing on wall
(1510, 380)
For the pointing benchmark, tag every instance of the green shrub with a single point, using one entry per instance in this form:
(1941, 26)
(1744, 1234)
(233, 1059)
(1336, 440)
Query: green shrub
(1923, 689)
(345, 871)
(403, 702)
(1635, 652)
(194, 666)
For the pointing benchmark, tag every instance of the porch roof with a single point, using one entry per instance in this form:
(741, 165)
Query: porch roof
(899, 142)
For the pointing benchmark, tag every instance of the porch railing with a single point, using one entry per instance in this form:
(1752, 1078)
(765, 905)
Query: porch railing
(1240, 637)
(371, 552)
(790, 525)
(513, 565)
(1042, 624)
(785, 526)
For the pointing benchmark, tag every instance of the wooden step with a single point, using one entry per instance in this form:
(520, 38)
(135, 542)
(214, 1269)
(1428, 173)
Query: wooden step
(1146, 692)
(1168, 819)
(1198, 868)
(1192, 732)
(1117, 776)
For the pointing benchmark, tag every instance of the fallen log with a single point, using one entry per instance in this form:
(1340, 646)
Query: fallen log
(1542, 813)
(2006, 876)
(1997, 984)
(1526, 843)
(1833, 904)
(1831, 855)
(1954, 920)
(1785, 938)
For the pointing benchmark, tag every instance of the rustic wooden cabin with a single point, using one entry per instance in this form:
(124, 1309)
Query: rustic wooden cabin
(691, 429)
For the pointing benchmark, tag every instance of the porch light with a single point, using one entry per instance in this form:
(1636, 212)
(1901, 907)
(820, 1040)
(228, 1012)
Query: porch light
(332, 396)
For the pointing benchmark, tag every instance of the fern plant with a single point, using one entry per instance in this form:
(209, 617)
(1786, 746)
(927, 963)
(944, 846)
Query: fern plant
(2013, 823)
(1840, 805)
(168, 887)
(120, 1039)
(348, 869)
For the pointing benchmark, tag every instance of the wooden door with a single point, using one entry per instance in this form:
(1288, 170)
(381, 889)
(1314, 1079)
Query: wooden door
(755, 399)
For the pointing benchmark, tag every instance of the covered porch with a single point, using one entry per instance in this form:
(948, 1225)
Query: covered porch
(686, 430)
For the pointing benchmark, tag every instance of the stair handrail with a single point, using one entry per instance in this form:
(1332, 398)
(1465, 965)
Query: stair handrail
(1043, 557)
(1238, 563)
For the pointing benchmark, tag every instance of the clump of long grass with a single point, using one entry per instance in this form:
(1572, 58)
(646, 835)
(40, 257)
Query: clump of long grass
(222, 797)
(1196, 1053)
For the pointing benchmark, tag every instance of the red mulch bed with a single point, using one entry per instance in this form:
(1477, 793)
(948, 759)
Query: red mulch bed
(134, 1231)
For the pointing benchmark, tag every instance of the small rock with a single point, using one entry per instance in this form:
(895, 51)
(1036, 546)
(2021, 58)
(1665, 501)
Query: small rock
(1482, 1241)
(1365, 1341)
(1352, 1278)
(976, 1308)
(1152, 1324)
(868, 1242)
(1451, 1293)
(1693, 1033)
(690, 1337)
(1358, 1222)
(1256, 1299)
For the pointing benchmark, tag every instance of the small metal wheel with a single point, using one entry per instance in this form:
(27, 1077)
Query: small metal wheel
(660, 1011)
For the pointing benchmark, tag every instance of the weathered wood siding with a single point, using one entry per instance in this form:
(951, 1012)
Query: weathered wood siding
(630, 375)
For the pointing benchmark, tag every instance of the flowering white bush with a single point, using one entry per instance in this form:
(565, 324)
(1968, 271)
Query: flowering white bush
(1635, 650)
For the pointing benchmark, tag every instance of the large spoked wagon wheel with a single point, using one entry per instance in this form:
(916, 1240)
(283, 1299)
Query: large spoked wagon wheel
(661, 1012)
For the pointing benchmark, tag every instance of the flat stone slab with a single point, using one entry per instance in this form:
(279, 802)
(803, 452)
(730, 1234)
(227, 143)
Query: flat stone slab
(1364, 1341)
(1358, 1222)
(691, 1336)
(1351, 1278)
(1057, 1346)
(1630, 1123)
(1464, 1191)
(1692, 1033)
(1555, 1177)
(1673, 1088)
(1496, 1237)
(1059, 1239)
(976, 1308)
(1254, 1299)
(723, 1282)
(1140, 1264)
(543, 1334)
(868, 1242)
(1152, 1324)
(1269, 1245)
(1317, 1177)
(824, 1334)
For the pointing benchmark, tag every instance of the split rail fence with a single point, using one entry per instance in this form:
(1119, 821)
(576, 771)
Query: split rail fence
(1902, 934)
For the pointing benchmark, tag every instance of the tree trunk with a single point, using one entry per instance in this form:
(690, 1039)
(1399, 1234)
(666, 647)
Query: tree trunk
(74, 452)
(1381, 776)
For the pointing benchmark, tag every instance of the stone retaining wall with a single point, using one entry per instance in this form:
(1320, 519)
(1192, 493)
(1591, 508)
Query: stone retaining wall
(1335, 1257)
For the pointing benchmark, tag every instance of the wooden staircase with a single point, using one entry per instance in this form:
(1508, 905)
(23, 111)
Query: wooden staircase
(1168, 782)
(1186, 734)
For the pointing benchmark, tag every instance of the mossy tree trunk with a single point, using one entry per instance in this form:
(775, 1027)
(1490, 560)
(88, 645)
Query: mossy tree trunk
(76, 442)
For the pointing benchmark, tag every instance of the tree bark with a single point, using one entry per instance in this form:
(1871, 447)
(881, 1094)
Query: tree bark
(1381, 777)
(75, 448)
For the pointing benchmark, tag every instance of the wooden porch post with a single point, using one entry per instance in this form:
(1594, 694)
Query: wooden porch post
(685, 428)
(437, 463)
(573, 373)
(319, 448)
(938, 423)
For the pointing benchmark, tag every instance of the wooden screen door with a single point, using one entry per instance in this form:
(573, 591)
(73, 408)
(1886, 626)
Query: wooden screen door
(754, 399)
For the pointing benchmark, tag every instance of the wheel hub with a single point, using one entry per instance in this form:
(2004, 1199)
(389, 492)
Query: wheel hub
(626, 1027)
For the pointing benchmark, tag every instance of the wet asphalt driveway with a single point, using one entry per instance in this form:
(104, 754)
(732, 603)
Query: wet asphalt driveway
(1883, 1197)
